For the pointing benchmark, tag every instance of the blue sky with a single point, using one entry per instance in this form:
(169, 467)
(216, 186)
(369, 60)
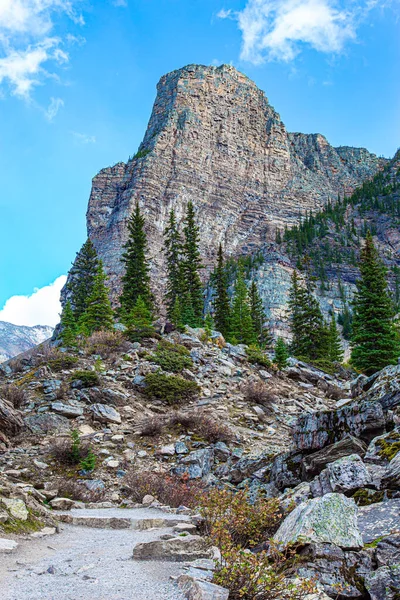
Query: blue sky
(77, 83)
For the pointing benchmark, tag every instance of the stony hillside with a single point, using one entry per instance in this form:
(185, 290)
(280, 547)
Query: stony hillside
(15, 339)
(214, 138)
(325, 446)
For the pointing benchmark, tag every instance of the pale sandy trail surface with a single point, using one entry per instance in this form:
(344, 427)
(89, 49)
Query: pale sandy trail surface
(83, 563)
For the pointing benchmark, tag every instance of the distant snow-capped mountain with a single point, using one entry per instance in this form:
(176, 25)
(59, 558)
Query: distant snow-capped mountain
(15, 339)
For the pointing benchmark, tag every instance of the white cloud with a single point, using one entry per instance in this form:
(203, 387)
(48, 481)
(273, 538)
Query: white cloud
(42, 307)
(277, 29)
(28, 47)
(83, 138)
(53, 108)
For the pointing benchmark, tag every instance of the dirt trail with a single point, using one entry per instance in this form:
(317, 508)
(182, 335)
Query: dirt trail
(84, 563)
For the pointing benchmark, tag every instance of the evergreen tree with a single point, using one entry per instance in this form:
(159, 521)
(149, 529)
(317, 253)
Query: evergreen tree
(81, 278)
(176, 315)
(173, 253)
(69, 328)
(192, 265)
(258, 317)
(335, 353)
(242, 328)
(221, 302)
(309, 332)
(136, 280)
(281, 354)
(140, 316)
(374, 340)
(99, 315)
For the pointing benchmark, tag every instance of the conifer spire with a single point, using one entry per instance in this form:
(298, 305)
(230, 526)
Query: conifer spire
(192, 265)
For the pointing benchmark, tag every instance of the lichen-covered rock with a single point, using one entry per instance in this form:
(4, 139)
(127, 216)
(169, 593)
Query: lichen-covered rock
(384, 447)
(344, 475)
(331, 519)
(44, 423)
(391, 479)
(314, 463)
(247, 465)
(314, 431)
(384, 583)
(380, 519)
(16, 508)
(383, 386)
(388, 550)
(286, 470)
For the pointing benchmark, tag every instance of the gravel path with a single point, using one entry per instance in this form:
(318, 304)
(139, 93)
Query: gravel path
(88, 564)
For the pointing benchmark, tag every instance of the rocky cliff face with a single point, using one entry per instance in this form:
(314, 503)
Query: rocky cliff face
(15, 339)
(214, 138)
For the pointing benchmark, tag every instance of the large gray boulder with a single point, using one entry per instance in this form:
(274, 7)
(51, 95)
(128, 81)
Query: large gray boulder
(177, 549)
(286, 470)
(344, 475)
(105, 414)
(384, 583)
(197, 464)
(378, 520)
(331, 519)
(391, 479)
(314, 463)
(383, 387)
(316, 430)
(45, 423)
(247, 465)
(384, 447)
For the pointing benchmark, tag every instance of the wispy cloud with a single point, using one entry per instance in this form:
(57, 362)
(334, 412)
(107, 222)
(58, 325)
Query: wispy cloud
(278, 29)
(122, 3)
(42, 307)
(83, 138)
(29, 47)
(53, 108)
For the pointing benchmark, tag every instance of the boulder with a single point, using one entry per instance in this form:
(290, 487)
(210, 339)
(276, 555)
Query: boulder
(296, 495)
(197, 464)
(286, 470)
(344, 475)
(246, 466)
(380, 519)
(105, 414)
(198, 589)
(388, 551)
(391, 479)
(384, 583)
(334, 569)
(331, 519)
(16, 508)
(62, 503)
(11, 421)
(314, 463)
(176, 549)
(316, 430)
(383, 387)
(384, 447)
(67, 410)
(46, 423)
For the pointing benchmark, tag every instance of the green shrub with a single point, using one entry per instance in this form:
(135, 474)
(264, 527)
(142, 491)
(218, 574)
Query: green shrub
(64, 361)
(172, 357)
(257, 356)
(88, 378)
(72, 451)
(88, 463)
(171, 388)
(137, 334)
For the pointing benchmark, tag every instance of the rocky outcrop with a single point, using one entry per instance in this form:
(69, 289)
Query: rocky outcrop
(214, 138)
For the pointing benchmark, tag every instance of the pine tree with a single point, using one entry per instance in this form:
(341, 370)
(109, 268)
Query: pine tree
(192, 265)
(81, 278)
(69, 328)
(221, 302)
(242, 329)
(374, 340)
(136, 280)
(99, 315)
(173, 253)
(281, 354)
(335, 345)
(140, 316)
(258, 317)
(309, 332)
(176, 315)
